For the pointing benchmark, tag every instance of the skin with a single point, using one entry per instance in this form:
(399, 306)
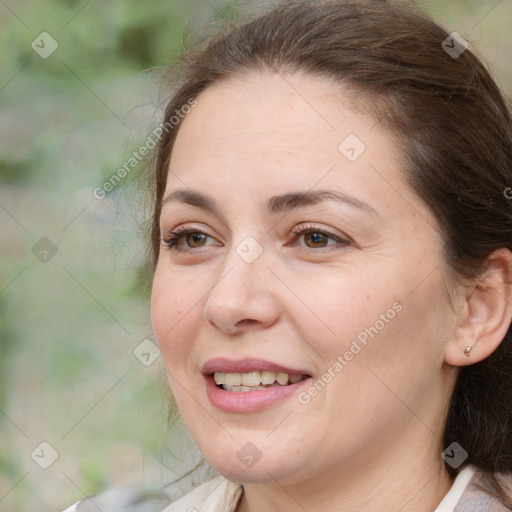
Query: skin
(371, 439)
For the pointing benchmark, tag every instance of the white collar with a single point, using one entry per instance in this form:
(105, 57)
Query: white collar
(457, 490)
(220, 495)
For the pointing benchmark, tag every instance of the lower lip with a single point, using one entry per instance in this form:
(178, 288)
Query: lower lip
(248, 401)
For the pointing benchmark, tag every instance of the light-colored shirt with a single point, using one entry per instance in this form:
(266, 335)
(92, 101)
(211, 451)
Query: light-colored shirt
(222, 495)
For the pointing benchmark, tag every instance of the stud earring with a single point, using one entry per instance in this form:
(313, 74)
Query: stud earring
(467, 350)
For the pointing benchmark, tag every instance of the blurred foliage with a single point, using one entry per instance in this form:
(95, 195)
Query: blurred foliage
(69, 326)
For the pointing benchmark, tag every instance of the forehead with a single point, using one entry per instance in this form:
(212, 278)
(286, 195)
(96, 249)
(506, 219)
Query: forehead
(266, 126)
(259, 103)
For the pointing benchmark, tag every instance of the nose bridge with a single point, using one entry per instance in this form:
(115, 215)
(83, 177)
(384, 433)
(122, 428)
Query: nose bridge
(245, 260)
(243, 264)
(242, 291)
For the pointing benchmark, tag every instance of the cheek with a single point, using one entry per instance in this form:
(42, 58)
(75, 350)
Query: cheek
(383, 322)
(353, 306)
(173, 313)
(372, 370)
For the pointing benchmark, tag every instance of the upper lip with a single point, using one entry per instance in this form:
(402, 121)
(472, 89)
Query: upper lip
(247, 365)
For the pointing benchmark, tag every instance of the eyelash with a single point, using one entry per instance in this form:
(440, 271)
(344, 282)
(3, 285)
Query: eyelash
(171, 242)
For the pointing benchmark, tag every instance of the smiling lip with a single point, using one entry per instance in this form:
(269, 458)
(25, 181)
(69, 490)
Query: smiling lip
(224, 365)
(248, 401)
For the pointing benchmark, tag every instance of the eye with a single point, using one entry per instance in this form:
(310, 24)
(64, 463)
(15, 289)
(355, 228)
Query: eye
(193, 237)
(316, 238)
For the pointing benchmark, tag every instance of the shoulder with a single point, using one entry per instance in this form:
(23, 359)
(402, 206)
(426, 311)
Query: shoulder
(216, 495)
(476, 499)
(123, 499)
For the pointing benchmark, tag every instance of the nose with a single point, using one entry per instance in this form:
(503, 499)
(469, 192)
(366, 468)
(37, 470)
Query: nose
(244, 296)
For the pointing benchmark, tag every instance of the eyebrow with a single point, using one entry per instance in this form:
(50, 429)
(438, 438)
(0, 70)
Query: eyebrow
(275, 204)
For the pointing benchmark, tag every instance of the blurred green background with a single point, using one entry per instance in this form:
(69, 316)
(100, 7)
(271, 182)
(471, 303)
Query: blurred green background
(74, 304)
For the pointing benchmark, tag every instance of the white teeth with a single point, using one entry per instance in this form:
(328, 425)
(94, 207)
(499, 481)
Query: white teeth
(268, 377)
(282, 378)
(232, 379)
(251, 379)
(254, 380)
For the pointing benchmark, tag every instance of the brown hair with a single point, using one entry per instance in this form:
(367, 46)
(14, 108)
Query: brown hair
(452, 128)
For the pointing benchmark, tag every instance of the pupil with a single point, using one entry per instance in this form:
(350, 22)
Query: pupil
(316, 238)
(196, 238)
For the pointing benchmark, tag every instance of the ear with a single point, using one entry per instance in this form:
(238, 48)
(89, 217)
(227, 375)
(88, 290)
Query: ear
(486, 313)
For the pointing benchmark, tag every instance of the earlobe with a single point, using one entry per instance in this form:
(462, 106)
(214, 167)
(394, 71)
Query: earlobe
(485, 317)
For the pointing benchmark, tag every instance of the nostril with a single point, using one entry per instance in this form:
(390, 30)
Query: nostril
(246, 322)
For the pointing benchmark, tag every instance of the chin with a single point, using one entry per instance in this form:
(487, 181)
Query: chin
(245, 467)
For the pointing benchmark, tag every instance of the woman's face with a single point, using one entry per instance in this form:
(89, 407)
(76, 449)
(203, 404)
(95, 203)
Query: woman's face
(355, 305)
